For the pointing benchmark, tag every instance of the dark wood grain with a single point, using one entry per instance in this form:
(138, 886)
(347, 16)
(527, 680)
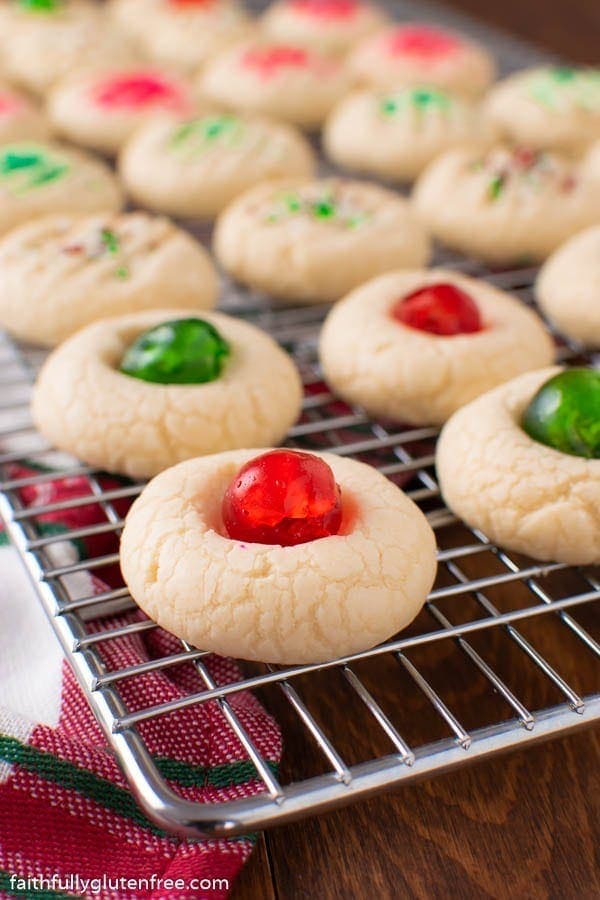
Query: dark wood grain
(568, 27)
(524, 825)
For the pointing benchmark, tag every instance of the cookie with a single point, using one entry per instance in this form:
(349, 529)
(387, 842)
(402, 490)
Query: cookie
(196, 167)
(182, 34)
(591, 163)
(305, 603)
(101, 110)
(395, 134)
(285, 81)
(548, 108)
(568, 287)
(522, 494)
(313, 241)
(506, 206)
(249, 392)
(40, 178)
(416, 54)
(416, 346)
(59, 273)
(47, 45)
(20, 118)
(327, 26)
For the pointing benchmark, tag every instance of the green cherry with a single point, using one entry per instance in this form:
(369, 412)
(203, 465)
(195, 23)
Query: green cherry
(182, 351)
(565, 413)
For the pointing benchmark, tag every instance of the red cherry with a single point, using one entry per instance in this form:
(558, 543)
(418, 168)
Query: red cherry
(139, 89)
(268, 60)
(283, 497)
(442, 309)
(422, 40)
(326, 9)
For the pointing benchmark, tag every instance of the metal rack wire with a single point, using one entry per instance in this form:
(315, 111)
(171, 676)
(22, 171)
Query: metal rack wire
(406, 455)
(464, 609)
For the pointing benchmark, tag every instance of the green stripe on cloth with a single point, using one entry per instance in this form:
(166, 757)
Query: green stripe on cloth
(72, 777)
(4, 541)
(45, 529)
(117, 799)
(6, 881)
(220, 776)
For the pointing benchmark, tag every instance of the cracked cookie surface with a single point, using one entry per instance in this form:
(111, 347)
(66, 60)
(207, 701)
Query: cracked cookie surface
(401, 373)
(523, 495)
(87, 407)
(306, 603)
(568, 287)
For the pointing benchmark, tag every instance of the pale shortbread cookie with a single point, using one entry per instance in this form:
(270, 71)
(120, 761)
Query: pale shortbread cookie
(37, 179)
(59, 273)
(507, 206)
(327, 26)
(591, 163)
(548, 108)
(395, 134)
(195, 168)
(20, 118)
(568, 287)
(521, 494)
(284, 81)
(415, 54)
(101, 110)
(43, 48)
(313, 241)
(401, 373)
(302, 604)
(86, 406)
(180, 33)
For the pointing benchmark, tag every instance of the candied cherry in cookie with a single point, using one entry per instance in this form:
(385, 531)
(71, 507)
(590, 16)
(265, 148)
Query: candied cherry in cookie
(184, 351)
(442, 309)
(283, 497)
(565, 413)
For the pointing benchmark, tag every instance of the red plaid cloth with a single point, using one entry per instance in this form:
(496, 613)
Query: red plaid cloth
(66, 814)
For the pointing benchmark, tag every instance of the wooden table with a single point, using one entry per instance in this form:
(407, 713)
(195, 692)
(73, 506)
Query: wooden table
(525, 825)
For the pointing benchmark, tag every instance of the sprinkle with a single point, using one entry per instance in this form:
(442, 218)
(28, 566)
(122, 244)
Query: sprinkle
(497, 186)
(110, 240)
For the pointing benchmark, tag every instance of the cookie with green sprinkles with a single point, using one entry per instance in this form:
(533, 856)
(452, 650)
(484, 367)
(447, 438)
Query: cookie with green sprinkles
(119, 263)
(510, 205)
(332, 234)
(394, 134)
(194, 167)
(548, 108)
(38, 178)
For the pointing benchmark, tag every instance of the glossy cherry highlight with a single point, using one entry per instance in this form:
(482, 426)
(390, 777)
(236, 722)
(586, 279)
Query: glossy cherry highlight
(442, 309)
(282, 497)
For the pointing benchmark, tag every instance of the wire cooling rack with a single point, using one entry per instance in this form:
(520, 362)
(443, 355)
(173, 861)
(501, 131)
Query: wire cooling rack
(490, 612)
